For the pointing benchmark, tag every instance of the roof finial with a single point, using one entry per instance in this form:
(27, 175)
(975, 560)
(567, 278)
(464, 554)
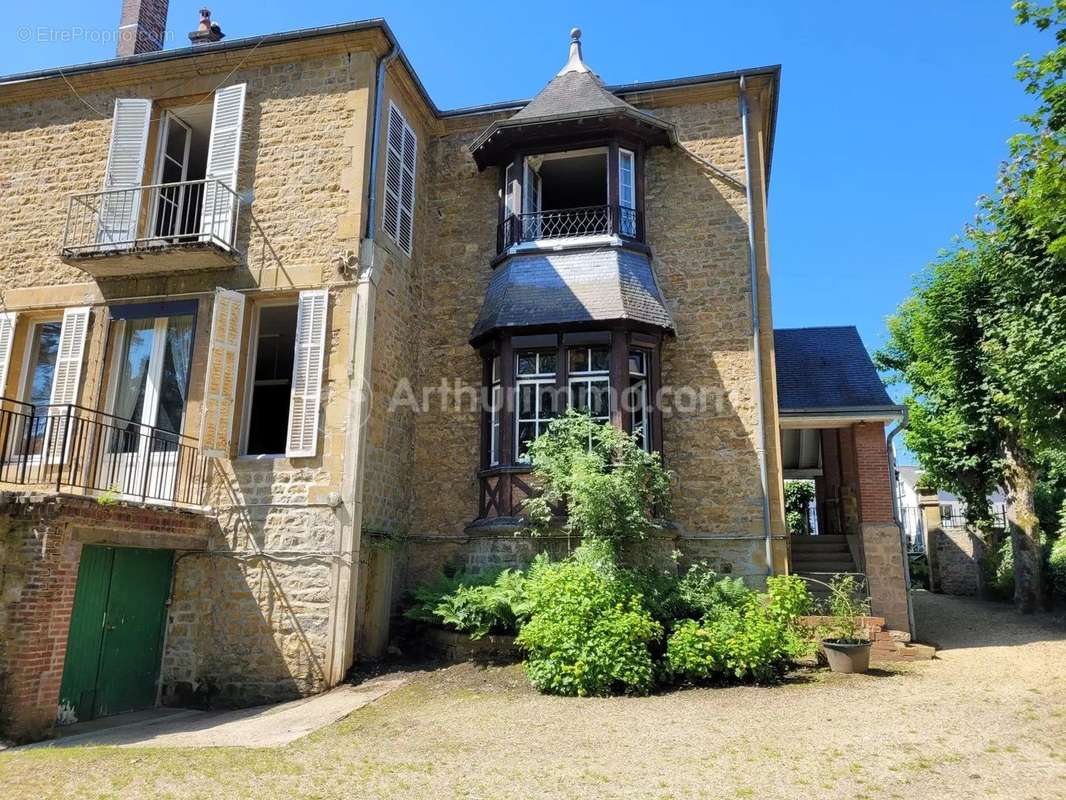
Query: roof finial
(575, 63)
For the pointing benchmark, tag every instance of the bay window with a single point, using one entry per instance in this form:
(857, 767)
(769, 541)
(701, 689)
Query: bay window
(535, 398)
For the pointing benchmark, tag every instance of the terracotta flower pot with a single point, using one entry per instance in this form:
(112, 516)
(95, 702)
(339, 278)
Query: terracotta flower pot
(847, 657)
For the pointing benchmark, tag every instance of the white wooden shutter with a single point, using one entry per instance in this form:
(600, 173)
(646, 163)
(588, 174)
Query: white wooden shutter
(7, 338)
(220, 382)
(302, 437)
(398, 210)
(223, 158)
(67, 374)
(121, 204)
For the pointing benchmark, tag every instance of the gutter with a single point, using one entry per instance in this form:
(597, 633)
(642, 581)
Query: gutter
(361, 335)
(900, 426)
(756, 335)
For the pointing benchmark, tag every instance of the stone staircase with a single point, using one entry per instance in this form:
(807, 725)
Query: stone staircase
(820, 558)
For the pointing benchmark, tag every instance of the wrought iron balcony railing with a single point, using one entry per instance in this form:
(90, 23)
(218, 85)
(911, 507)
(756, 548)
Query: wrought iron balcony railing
(569, 223)
(156, 216)
(68, 448)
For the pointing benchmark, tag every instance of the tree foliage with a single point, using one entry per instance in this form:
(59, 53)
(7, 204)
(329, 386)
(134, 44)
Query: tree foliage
(982, 341)
(608, 483)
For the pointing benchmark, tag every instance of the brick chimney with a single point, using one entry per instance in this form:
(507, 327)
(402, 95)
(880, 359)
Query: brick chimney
(208, 31)
(143, 26)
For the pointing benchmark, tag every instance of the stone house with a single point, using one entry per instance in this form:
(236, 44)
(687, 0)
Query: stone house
(277, 331)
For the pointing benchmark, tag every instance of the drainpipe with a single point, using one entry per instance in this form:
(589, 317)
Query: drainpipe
(349, 508)
(898, 517)
(760, 422)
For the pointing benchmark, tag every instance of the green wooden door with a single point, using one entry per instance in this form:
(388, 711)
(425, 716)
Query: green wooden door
(115, 642)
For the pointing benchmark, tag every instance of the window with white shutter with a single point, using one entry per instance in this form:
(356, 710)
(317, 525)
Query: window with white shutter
(223, 158)
(7, 338)
(120, 204)
(67, 375)
(302, 437)
(398, 208)
(220, 383)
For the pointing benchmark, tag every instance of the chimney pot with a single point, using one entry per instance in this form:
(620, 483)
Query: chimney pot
(207, 32)
(142, 27)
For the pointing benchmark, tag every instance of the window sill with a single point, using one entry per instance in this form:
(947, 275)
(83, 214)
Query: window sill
(503, 469)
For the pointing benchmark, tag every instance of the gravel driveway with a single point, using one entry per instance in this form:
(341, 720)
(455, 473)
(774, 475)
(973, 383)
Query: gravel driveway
(987, 719)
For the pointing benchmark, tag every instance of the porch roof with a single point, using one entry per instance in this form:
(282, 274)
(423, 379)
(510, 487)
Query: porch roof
(826, 371)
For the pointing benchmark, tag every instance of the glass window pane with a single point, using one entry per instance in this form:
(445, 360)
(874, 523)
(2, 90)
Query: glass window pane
(526, 400)
(636, 362)
(527, 363)
(174, 379)
(527, 432)
(579, 359)
(45, 347)
(579, 396)
(600, 359)
(547, 400)
(547, 363)
(600, 399)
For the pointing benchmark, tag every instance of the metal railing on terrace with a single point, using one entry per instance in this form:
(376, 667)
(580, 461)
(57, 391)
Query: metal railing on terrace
(160, 215)
(568, 223)
(71, 449)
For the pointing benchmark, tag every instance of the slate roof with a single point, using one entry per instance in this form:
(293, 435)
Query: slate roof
(827, 369)
(570, 93)
(600, 285)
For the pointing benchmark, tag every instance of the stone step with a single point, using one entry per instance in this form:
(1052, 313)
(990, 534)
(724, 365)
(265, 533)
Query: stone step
(828, 568)
(837, 538)
(816, 546)
(822, 558)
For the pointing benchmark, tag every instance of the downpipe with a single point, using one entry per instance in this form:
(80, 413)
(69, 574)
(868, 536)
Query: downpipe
(898, 516)
(756, 335)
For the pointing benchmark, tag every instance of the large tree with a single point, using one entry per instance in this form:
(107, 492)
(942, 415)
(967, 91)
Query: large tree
(982, 342)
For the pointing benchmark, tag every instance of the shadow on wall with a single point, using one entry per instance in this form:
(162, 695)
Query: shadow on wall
(250, 619)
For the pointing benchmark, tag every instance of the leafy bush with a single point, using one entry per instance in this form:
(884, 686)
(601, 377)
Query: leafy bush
(608, 483)
(474, 604)
(847, 605)
(703, 592)
(798, 497)
(998, 568)
(586, 635)
(1057, 565)
(757, 640)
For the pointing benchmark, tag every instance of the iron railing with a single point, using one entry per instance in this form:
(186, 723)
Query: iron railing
(159, 215)
(68, 448)
(569, 223)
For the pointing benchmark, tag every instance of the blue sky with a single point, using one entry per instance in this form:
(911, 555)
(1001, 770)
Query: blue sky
(892, 121)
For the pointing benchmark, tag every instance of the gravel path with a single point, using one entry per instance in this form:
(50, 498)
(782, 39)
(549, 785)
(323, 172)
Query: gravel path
(985, 720)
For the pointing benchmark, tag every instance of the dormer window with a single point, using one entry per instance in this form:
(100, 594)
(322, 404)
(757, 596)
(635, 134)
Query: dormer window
(570, 194)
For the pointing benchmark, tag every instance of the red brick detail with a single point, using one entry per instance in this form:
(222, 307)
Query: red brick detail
(871, 466)
(41, 548)
(142, 26)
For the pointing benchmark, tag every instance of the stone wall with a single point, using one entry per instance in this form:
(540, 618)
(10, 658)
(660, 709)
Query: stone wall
(959, 555)
(696, 223)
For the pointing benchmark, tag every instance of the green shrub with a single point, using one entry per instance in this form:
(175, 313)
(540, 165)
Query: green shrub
(703, 592)
(798, 497)
(694, 652)
(608, 483)
(757, 640)
(586, 635)
(1057, 565)
(474, 604)
(998, 568)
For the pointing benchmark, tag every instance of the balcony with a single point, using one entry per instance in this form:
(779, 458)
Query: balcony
(570, 225)
(162, 228)
(68, 449)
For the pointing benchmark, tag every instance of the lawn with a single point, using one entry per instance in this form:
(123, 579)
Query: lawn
(986, 719)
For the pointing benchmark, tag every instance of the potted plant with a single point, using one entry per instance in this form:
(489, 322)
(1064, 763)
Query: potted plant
(846, 640)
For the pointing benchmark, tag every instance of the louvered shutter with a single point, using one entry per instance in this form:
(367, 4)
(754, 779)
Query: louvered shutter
(223, 157)
(398, 210)
(302, 437)
(220, 382)
(67, 373)
(120, 204)
(7, 338)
